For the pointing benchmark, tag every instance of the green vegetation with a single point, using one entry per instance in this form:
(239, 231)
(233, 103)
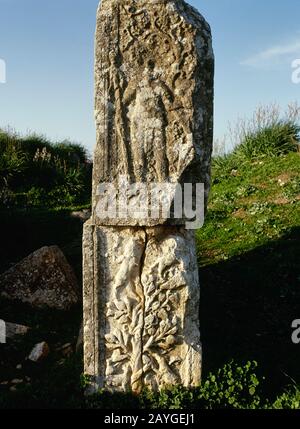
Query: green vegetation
(37, 173)
(249, 259)
(250, 204)
(249, 269)
(55, 385)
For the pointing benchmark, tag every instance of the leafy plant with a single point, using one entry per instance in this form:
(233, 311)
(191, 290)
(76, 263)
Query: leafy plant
(288, 400)
(233, 386)
(12, 161)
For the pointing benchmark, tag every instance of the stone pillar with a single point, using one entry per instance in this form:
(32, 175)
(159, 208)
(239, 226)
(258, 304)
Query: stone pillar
(154, 118)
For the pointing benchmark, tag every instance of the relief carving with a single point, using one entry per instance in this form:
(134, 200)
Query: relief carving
(146, 84)
(154, 119)
(144, 311)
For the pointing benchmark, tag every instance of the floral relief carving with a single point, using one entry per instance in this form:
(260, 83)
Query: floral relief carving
(144, 315)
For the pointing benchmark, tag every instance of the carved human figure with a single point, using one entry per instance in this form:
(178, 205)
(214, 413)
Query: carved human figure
(147, 107)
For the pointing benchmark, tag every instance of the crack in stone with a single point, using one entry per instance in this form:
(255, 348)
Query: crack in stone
(142, 263)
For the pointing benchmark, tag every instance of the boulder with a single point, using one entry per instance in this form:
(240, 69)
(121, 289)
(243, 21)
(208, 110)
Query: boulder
(39, 352)
(42, 279)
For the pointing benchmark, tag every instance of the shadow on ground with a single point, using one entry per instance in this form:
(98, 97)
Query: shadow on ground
(24, 231)
(247, 307)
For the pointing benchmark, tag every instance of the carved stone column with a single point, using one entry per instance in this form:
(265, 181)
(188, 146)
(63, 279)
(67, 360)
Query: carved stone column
(154, 117)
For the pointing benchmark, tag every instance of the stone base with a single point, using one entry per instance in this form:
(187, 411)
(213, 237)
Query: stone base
(141, 308)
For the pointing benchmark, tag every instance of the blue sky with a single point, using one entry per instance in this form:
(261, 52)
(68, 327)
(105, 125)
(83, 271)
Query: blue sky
(48, 50)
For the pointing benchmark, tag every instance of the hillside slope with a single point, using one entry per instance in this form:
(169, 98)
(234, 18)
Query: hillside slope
(249, 254)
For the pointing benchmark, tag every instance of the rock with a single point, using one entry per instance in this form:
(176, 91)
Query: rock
(154, 120)
(66, 350)
(42, 279)
(147, 316)
(13, 330)
(39, 352)
(19, 367)
(83, 215)
(13, 389)
(155, 123)
(17, 381)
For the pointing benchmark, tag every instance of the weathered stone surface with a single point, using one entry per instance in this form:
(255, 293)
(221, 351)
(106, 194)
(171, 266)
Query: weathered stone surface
(82, 215)
(12, 330)
(154, 97)
(39, 352)
(154, 119)
(17, 381)
(141, 297)
(65, 350)
(42, 279)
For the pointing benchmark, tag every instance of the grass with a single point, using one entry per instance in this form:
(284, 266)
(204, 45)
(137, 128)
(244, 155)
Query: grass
(271, 141)
(249, 266)
(248, 255)
(35, 172)
(254, 203)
